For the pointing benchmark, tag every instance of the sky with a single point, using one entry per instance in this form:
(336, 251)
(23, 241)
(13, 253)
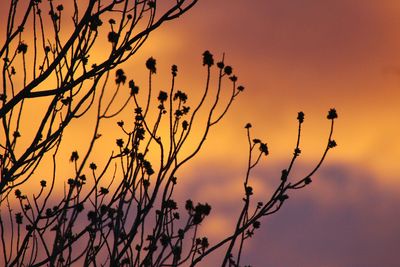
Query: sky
(304, 55)
(298, 55)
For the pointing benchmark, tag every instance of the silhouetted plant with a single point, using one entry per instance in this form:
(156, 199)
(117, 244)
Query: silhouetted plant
(57, 64)
(123, 212)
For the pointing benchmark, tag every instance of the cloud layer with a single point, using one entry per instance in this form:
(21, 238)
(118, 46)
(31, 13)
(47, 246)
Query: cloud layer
(345, 218)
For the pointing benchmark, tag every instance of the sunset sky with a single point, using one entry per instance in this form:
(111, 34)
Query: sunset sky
(305, 55)
(291, 56)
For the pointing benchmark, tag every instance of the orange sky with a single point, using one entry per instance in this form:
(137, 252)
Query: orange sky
(307, 55)
(304, 55)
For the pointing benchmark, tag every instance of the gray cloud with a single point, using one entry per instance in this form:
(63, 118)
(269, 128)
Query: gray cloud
(345, 218)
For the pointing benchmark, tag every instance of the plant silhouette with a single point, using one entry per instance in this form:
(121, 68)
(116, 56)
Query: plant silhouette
(122, 212)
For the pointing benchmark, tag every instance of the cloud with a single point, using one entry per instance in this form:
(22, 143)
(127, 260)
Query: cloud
(345, 218)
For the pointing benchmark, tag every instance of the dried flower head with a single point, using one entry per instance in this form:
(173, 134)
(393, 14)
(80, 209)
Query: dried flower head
(174, 70)
(74, 156)
(22, 48)
(300, 117)
(134, 88)
(208, 59)
(113, 37)
(163, 96)
(151, 65)
(120, 76)
(332, 114)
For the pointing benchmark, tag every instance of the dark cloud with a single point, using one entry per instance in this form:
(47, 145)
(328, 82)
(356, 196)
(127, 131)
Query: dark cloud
(345, 218)
(298, 31)
(357, 225)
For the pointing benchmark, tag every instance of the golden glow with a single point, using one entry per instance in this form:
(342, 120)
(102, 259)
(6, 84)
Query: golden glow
(291, 56)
